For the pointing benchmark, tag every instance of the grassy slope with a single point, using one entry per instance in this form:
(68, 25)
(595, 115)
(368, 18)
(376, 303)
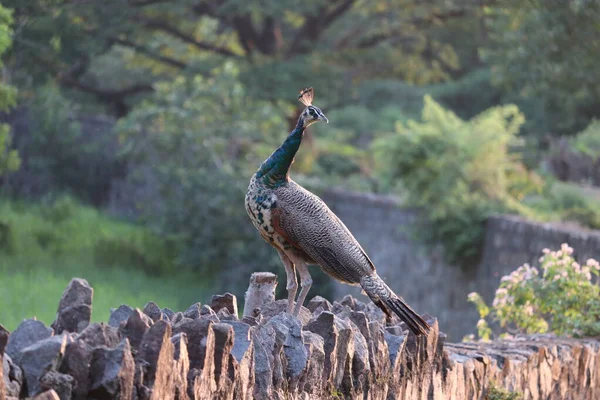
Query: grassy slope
(47, 246)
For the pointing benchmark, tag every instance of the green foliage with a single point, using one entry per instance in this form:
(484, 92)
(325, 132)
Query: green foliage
(566, 202)
(499, 393)
(62, 155)
(542, 49)
(220, 137)
(458, 172)
(9, 159)
(561, 297)
(44, 245)
(588, 141)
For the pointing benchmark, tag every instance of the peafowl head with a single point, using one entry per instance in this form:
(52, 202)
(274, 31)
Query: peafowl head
(311, 114)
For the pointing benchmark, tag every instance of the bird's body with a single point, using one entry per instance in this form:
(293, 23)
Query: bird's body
(305, 231)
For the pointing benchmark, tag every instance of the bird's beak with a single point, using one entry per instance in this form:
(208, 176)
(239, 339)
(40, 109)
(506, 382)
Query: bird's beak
(323, 118)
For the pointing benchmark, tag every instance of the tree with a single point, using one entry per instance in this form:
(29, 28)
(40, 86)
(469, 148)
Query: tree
(550, 50)
(9, 159)
(115, 52)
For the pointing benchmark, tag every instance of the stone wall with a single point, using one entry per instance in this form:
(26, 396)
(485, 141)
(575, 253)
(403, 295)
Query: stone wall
(343, 350)
(422, 276)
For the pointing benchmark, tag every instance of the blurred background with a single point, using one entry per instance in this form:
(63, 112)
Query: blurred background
(131, 128)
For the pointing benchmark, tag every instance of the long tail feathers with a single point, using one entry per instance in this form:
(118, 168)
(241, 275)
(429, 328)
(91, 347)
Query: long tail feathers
(387, 300)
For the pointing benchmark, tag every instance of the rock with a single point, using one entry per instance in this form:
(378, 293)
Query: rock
(338, 340)
(37, 358)
(181, 365)
(289, 351)
(197, 332)
(168, 313)
(312, 382)
(193, 311)
(263, 338)
(62, 384)
(223, 334)
(100, 334)
(3, 341)
(135, 327)
(48, 395)
(75, 307)
(76, 363)
(178, 316)
(119, 315)
(318, 301)
(156, 353)
(261, 291)
(207, 313)
(111, 372)
(13, 378)
(243, 360)
(153, 311)
(277, 307)
(27, 333)
(224, 315)
(227, 300)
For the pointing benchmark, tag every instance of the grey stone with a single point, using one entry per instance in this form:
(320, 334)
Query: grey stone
(3, 341)
(313, 382)
(27, 333)
(197, 332)
(207, 310)
(289, 345)
(39, 357)
(12, 377)
(178, 316)
(111, 372)
(62, 384)
(100, 334)
(75, 307)
(193, 311)
(76, 363)
(269, 310)
(242, 342)
(227, 300)
(224, 315)
(223, 334)
(181, 365)
(48, 395)
(263, 338)
(338, 344)
(168, 313)
(153, 311)
(318, 301)
(135, 327)
(156, 346)
(119, 315)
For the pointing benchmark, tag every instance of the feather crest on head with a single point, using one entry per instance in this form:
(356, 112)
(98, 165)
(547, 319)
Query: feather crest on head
(306, 96)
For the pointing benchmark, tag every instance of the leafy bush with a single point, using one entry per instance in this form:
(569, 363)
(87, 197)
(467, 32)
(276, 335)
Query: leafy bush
(64, 151)
(193, 148)
(588, 141)
(577, 159)
(566, 202)
(9, 158)
(561, 297)
(458, 172)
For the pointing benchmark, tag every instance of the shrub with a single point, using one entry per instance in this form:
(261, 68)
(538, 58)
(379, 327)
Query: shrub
(561, 296)
(578, 158)
(458, 172)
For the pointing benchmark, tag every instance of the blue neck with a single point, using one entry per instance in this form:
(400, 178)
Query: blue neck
(274, 171)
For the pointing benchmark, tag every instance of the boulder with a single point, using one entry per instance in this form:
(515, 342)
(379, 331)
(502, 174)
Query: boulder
(39, 357)
(111, 372)
(27, 333)
(75, 307)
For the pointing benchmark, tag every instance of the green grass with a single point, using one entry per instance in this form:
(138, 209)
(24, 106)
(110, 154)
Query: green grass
(42, 247)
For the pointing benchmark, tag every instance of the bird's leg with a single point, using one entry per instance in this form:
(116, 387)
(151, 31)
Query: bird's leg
(292, 285)
(305, 283)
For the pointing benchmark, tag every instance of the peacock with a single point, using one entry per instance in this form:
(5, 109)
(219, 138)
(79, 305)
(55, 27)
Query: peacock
(304, 231)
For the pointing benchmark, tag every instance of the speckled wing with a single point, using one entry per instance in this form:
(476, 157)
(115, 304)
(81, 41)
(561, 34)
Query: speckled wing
(306, 221)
